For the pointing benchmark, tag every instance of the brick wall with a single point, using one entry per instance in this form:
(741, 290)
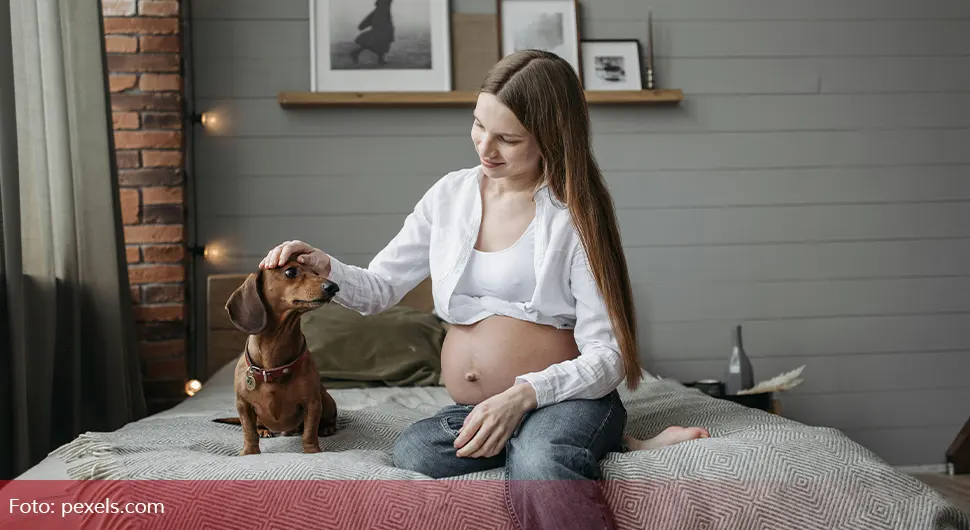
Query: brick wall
(143, 43)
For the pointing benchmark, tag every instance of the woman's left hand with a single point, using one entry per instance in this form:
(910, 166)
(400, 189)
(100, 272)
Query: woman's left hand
(491, 423)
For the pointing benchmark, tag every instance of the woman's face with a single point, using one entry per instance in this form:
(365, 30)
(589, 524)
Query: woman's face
(505, 148)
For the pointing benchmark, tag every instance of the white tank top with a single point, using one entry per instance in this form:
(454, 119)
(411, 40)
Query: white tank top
(506, 275)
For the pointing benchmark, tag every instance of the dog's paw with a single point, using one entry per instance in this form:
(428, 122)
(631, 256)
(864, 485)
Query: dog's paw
(328, 430)
(311, 448)
(264, 432)
(249, 450)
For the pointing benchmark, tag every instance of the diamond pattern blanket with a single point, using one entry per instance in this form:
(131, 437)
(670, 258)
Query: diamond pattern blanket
(758, 470)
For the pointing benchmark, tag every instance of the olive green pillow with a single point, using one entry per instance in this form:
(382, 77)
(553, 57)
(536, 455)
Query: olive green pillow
(398, 347)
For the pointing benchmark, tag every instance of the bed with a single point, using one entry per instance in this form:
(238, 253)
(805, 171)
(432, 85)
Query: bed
(758, 470)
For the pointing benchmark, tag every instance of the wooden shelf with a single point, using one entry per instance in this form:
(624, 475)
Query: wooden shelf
(460, 99)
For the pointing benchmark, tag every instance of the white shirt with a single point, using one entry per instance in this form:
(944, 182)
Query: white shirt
(437, 239)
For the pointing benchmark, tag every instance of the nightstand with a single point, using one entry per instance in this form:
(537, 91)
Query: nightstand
(766, 401)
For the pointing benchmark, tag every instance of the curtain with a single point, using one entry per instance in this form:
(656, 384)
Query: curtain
(68, 358)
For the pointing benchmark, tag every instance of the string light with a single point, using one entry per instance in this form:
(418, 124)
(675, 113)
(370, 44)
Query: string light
(192, 387)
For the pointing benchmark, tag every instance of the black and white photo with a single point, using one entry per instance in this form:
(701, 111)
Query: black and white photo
(610, 68)
(549, 25)
(397, 45)
(388, 34)
(612, 65)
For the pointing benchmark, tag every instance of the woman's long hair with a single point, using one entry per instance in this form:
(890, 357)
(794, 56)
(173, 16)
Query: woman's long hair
(546, 95)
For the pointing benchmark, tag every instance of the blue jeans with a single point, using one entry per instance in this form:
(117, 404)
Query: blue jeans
(560, 445)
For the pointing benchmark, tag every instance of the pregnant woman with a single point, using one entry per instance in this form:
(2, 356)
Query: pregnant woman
(526, 264)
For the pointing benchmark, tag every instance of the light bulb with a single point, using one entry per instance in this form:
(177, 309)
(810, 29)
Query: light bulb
(212, 252)
(214, 121)
(192, 387)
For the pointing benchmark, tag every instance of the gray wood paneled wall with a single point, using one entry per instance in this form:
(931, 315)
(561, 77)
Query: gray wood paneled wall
(814, 186)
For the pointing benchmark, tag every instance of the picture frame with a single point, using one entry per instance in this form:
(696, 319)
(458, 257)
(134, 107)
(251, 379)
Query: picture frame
(474, 48)
(612, 64)
(382, 45)
(550, 25)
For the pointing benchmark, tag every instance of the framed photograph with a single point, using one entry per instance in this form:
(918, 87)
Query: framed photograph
(382, 45)
(612, 65)
(549, 25)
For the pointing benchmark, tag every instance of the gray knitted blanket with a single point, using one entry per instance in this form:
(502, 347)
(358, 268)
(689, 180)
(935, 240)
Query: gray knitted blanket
(757, 470)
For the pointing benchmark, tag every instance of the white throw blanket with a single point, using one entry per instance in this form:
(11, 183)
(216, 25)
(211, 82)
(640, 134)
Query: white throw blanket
(757, 470)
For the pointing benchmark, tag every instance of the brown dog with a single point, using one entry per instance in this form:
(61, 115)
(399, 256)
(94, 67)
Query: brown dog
(277, 384)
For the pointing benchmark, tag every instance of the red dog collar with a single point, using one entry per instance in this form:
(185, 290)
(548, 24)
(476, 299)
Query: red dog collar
(274, 373)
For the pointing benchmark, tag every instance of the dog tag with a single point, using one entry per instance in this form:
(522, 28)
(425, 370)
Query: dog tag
(250, 381)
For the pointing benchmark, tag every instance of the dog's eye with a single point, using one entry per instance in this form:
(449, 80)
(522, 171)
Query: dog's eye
(291, 272)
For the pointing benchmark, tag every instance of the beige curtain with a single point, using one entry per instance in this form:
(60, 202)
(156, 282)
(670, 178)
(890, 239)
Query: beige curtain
(68, 362)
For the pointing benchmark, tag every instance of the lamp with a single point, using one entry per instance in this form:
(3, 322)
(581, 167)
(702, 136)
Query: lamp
(212, 251)
(192, 387)
(206, 119)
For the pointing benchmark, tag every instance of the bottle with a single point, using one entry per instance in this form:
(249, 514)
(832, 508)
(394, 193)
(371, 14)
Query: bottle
(740, 375)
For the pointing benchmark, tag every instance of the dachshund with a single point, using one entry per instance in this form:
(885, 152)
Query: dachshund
(277, 384)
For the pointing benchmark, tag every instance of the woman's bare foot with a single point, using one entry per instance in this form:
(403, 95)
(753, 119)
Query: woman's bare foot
(670, 436)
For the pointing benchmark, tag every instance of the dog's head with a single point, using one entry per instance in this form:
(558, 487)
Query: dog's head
(292, 289)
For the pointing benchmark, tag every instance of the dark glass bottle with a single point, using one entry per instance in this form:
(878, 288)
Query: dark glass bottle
(739, 375)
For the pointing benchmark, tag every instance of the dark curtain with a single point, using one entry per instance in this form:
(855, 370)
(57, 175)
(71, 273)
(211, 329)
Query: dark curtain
(68, 359)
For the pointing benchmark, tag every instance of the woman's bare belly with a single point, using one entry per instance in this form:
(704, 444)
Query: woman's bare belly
(483, 359)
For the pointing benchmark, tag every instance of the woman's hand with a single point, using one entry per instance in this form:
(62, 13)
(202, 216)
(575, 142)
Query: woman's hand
(301, 252)
(491, 423)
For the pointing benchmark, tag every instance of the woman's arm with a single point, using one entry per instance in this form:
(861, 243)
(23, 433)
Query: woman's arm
(599, 368)
(395, 270)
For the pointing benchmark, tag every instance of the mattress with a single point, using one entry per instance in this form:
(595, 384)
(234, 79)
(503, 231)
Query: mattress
(758, 470)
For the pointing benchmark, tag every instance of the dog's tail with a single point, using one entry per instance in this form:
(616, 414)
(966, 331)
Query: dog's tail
(230, 421)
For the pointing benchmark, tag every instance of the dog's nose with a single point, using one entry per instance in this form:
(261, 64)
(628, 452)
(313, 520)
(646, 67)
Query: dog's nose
(330, 288)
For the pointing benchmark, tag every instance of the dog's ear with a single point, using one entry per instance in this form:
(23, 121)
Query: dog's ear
(246, 308)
